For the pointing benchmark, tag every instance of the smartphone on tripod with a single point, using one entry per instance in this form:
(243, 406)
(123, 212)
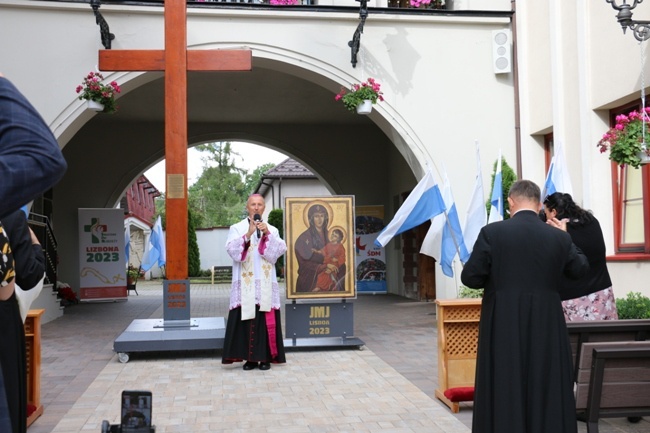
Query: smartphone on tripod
(136, 411)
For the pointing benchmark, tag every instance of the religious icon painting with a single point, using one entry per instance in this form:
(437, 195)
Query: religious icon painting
(320, 247)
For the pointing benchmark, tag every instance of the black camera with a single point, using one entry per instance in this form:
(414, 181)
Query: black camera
(135, 414)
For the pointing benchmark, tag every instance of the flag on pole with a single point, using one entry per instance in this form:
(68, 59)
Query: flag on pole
(127, 242)
(155, 252)
(160, 242)
(476, 213)
(496, 199)
(445, 237)
(557, 178)
(422, 204)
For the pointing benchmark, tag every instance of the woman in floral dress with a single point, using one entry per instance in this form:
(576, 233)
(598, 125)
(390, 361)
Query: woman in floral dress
(591, 297)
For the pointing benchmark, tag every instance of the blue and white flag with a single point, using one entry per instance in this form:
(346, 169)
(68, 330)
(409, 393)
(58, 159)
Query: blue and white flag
(155, 252)
(476, 213)
(445, 237)
(496, 199)
(422, 204)
(127, 242)
(557, 178)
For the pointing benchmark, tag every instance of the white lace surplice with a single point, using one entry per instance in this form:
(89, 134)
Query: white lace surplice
(254, 280)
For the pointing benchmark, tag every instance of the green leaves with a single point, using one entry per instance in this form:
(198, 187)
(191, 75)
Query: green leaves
(634, 306)
(219, 195)
(625, 140)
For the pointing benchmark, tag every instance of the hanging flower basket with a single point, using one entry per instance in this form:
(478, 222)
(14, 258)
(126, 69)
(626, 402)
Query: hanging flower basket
(428, 4)
(93, 89)
(365, 107)
(94, 105)
(366, 91)
(626, 142)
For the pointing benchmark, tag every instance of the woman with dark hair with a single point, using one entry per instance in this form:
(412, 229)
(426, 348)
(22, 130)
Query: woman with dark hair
(591, 297)
(308, 245)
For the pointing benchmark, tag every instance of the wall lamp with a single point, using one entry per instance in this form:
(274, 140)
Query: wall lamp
(641, 29)
(355, 43)
(104, 33)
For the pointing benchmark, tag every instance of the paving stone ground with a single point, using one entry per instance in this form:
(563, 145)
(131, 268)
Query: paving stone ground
(387, 386)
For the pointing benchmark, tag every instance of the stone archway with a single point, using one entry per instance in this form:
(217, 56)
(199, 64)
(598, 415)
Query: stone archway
(284, 107)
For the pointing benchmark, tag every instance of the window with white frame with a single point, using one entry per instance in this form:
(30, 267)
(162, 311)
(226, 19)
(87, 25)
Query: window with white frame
(631, 196)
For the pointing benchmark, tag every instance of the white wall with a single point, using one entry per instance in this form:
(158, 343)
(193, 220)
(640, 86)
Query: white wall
(212, 247)
(441, 93)
(575, 64)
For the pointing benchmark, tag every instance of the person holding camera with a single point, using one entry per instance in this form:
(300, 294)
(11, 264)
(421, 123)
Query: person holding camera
(591, 297)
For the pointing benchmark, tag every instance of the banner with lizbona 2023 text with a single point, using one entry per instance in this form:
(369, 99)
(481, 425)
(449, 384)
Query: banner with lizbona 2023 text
(370, 259)
(102, 260)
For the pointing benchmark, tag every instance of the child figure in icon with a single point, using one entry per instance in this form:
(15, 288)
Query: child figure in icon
(327, 277)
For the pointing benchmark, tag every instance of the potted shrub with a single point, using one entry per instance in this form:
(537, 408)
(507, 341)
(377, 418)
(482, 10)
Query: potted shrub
(132, 275)
(100, 96)
(466, 292)
(633, 306)
(626, 141)
(361, 97)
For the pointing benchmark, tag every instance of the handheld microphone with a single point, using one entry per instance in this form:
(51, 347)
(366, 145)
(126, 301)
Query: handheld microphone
(257, 218)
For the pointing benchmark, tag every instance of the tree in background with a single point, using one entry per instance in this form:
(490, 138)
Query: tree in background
(217, 194)
(508, 177)
(193, 256)
(276, 219)
(220, 193)
(253, 179)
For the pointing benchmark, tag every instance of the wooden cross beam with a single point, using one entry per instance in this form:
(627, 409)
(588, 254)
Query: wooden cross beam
(175, 60)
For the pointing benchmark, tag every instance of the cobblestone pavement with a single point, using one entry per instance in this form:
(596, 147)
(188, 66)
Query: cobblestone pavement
(388, 386)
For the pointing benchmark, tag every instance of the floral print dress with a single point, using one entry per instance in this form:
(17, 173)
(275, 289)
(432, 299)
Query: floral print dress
(599, 305)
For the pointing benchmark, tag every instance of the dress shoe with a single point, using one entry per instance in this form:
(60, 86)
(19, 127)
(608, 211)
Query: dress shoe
(265, 365)
(250, 365)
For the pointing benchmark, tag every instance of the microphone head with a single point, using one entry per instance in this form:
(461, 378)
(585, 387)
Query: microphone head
(257, 217)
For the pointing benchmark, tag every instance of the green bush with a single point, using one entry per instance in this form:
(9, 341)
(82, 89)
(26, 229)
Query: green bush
(508, 177)
(466, 292)
(634, 306)
(276, 219)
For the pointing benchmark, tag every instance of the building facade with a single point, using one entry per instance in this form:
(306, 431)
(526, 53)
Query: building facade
(568, 69)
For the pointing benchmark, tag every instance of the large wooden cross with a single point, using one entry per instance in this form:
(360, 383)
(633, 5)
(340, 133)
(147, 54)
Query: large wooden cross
(175, 60)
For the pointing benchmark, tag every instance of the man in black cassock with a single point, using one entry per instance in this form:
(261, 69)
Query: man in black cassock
(524, 374)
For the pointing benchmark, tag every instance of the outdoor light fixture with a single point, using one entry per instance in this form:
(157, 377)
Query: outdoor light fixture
(104, 33)
(355, 43)
(641, 29)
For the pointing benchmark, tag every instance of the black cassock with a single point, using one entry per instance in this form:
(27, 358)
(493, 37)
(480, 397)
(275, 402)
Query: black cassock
(524, 374)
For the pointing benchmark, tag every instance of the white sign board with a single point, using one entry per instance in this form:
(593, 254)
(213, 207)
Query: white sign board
(102, 260)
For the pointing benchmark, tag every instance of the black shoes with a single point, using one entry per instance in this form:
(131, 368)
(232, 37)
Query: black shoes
(248, 365)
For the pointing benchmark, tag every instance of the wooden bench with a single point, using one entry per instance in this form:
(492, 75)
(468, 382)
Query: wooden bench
(222, 273)
(605, 330)
(613, 380)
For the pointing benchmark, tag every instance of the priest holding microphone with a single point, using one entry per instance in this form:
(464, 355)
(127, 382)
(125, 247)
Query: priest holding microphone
(254, 328)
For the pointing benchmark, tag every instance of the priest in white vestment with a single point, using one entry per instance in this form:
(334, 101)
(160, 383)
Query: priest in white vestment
(254, 329)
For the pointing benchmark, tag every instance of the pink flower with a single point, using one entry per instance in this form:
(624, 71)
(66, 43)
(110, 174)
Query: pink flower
(359, 92)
